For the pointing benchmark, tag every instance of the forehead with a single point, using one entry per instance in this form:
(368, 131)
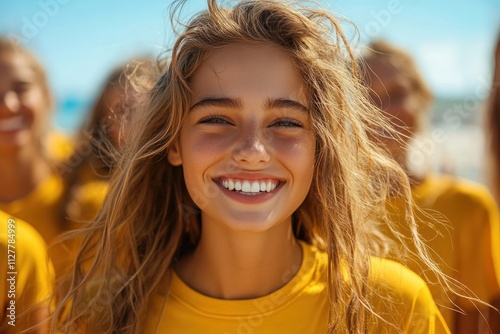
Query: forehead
(15, 66)
(384, 71)
(248, 69)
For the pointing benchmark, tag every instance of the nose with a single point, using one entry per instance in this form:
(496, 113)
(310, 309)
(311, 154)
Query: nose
(251, 149)
(9, 103)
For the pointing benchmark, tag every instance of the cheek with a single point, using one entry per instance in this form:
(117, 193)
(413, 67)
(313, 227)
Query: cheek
(412, 112)
(114, 127)
(35, 106)
(298, 154)
(204, 147)
(199, 152)
(402, 113)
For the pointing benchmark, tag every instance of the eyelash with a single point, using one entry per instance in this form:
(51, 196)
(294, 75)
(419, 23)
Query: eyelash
(219, 119)
(290, 123)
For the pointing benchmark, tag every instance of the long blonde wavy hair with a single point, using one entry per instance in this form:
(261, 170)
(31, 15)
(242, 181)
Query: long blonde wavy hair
(148, 219)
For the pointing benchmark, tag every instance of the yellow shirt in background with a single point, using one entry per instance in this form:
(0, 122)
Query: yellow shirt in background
(42, 209)
(466, 244)
(301, 306)
(60, 145)
(25, 264)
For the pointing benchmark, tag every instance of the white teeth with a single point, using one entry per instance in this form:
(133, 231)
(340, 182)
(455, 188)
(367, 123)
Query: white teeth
(248, 186)
(255, 187)
(12, 124)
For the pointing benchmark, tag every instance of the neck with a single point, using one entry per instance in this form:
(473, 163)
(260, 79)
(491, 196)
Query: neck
(20, 173)
(241, 265)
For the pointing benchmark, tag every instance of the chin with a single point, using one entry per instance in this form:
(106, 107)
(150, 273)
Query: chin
(250, 223)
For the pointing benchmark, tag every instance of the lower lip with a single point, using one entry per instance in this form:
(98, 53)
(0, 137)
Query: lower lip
(11, 134)
(12, 137)
(250, 199)
(7, 135)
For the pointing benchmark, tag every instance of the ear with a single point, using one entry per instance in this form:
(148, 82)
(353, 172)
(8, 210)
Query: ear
(174, 155)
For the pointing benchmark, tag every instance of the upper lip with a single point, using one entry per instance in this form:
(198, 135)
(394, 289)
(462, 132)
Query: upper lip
(249, 176)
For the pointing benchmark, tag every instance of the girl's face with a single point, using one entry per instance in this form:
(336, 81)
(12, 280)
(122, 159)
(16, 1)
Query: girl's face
(393, 93)
(115, 113)
(246, 146)
(23, 105)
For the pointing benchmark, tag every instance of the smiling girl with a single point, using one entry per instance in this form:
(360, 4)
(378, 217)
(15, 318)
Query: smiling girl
(248, 198)
(31, 187)
(25, 107)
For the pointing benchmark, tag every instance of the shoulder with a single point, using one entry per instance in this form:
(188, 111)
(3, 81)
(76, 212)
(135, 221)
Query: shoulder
(390, 282)
(25, 236)
(462, 189)
(401, 298)
(34, 272)
(387, 275)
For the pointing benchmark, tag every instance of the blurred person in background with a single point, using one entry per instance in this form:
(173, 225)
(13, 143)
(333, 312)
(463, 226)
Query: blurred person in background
(26, 278)
(31, 186)
(493, 128)
(458, 218)
(493, 119)
(97, 143)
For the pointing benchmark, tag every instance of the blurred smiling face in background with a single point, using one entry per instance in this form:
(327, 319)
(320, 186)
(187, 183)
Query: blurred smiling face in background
(397, 88)
(392, 92)
(24, 104)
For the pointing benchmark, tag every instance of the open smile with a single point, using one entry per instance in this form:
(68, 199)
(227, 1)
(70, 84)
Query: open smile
(12, 124)
(249, 187)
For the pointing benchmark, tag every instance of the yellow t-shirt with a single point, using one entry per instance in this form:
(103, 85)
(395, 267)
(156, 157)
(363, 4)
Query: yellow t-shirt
(23, 262)
(466, 244)
(301, 306)
(42, 209)
(88, 199)
(60, 145)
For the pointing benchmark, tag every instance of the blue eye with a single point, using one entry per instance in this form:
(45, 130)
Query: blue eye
(213, 119)
(287, 123)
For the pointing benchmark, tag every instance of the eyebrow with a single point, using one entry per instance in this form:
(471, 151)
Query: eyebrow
(231, 103)
(223, 102)
(285, 104)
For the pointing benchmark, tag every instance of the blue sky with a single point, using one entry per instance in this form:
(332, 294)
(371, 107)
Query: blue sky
(79, 41)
